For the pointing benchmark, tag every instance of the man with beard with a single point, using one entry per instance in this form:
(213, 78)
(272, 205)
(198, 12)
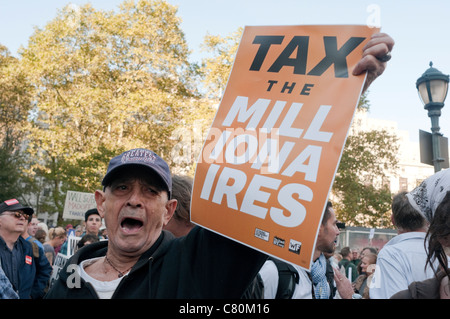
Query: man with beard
(315, 284)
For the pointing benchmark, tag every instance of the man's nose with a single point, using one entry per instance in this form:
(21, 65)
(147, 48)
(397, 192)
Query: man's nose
(135, 199)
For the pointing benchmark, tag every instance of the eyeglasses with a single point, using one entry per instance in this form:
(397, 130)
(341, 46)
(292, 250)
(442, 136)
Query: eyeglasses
(18, 214)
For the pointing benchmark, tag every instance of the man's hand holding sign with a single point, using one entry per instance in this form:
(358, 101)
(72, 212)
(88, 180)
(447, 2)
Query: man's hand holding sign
(270, 158)
(375, 55)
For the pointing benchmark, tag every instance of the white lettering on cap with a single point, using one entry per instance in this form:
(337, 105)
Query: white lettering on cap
(138, 155)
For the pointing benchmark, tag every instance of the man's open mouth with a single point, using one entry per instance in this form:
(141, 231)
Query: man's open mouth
(131, 225)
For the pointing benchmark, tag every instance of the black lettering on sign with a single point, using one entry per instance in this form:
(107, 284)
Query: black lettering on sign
(298, 61)
(299, 43)
(265, 42)
(336, 57)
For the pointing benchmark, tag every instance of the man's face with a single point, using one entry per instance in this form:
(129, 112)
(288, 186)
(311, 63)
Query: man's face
(328, 234)
(13, 222)
(33, 227)
(135, 210)
(93, 224)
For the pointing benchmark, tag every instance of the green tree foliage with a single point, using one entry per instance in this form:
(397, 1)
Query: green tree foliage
(105, 82)
(361, 187)
(217, 68)
(14, 107)
(100, 82)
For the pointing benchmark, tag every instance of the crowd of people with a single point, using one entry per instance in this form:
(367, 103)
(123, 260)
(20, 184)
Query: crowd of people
(152, 250)
(413, 264)
(28, 249)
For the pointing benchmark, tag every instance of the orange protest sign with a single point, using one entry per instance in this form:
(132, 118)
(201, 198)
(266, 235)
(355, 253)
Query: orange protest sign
(268, 163)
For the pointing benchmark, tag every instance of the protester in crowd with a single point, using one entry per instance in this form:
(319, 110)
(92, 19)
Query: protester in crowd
(429, 194)
(86, 240)
(44, 227)
(350, 269)
(363, 281)
(26, 267)
(31, 230)
(180, 224)
(93, 222)
(103, 232)
(337, 257)
(58, 236)
(366, 251)
(41, 236)
(149, 262)
(402, 260)
(432, 198)
(79, 230)
(438, 235)
(317, 284)
(355, 256)
(43, 267)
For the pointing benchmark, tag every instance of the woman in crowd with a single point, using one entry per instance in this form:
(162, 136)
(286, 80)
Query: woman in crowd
(362, 282)
(57, 236)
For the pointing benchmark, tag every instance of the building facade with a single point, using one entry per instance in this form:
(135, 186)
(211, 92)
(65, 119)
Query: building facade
(411, 172)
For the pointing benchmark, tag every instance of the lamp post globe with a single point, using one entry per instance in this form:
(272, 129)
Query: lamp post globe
(433, 87)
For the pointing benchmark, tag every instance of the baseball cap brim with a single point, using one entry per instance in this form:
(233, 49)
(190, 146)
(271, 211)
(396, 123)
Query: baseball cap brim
(113, 173)
(15, 207)
(27, 210)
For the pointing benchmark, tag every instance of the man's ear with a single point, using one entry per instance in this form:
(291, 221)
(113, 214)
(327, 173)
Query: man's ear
(392, 220)
(171, 205)
(100, 200)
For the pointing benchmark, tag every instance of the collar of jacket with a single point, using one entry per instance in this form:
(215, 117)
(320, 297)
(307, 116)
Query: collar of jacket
(100, 248)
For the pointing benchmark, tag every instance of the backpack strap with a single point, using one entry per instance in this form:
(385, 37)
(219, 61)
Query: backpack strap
(288, 278)
(255, 290)
(34, 246)
(330, 278)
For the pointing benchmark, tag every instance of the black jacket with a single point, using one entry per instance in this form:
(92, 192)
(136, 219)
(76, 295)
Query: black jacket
(200, 265)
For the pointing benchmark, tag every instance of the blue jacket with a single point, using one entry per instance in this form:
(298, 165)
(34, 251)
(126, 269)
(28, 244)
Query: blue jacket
(34, 272)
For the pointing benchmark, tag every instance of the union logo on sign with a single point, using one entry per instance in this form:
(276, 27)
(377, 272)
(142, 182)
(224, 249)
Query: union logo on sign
(294, 246)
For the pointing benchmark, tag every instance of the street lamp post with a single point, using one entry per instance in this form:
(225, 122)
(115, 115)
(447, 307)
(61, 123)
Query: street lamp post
(432, 87)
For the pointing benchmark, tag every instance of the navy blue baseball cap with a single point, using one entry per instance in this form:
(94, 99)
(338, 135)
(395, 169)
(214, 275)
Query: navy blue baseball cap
(140, 157)
(13, 205)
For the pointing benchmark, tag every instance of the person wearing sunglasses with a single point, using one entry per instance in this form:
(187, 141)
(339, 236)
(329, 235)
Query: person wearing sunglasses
(16, 254)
